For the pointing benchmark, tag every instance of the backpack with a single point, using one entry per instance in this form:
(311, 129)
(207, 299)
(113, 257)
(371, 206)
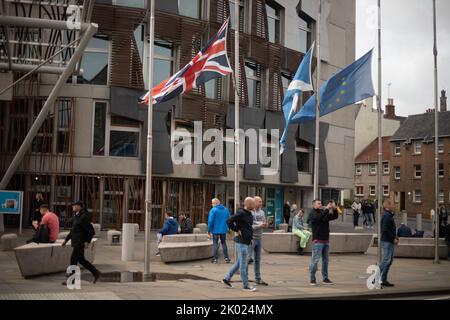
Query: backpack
(91, 232)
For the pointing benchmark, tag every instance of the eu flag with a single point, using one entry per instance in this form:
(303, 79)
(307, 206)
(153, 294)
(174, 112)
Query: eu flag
(348, 86)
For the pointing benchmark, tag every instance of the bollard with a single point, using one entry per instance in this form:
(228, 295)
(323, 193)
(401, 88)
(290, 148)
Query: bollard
(128, 232)
(405, 218)
(419, 222)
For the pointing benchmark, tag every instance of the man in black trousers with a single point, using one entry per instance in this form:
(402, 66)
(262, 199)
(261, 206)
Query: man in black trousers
(80, 236)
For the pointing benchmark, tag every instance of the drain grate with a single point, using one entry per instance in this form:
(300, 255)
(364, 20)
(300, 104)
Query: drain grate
(137, 276)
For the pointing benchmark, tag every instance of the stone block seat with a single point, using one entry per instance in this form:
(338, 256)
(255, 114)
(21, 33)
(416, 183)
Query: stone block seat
(8, 241)
(287, 242)
(185, 247)
(420, 248)
(45, 258)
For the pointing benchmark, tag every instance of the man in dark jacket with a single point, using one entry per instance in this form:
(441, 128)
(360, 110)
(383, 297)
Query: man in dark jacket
(388, 240)
(404, 231)
(170, 227)
(447, 239)
(320, 224)
(80, 236)
(242, 224)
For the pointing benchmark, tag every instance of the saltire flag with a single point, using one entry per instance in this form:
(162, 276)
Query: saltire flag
(302, 82)
(209, 63)
(348, 86)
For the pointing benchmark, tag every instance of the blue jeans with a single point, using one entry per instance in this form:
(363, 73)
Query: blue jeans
(241, 264)
(257, 246)
(370, 219)
(223, 241)
(319, 250)
(388, 257)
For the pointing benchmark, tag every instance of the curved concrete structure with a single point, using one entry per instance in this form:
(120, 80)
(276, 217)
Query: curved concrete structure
(287, 242)
(43, 258)
(185, 247)
(8, 241)
(420, 248)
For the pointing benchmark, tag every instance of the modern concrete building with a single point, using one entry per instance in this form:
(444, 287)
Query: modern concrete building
(93, 147)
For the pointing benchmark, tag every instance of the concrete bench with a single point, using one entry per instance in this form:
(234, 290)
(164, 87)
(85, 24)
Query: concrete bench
(185, 247)
(63, 235)
(45, 258)
(420, 248)
(203, 227)
(287, 242)
(97, 228)
(8, 241)
(110, 236)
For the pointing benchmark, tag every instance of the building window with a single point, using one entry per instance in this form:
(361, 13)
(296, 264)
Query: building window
(372, 169)
(213, 89)
(441, 146)
(417, 147)
(124, 137)
(441, 197)
(190, 8)
(417, 196)
(441, 170)
(253, 71)
(43, 142)
(386, 168)
(63, 128)
(372, 191)
(305, 35)
(114, 136)
(241, 14)
(130, 3)
(386, 190)
(94, 62)
(397, 173)
(359, 191)
(396, 197)
(358, 169)
(286, 79)
(397, 148)
(274, 22)
(100, 109)
(163, 62)
(418, 171)
(303, 161)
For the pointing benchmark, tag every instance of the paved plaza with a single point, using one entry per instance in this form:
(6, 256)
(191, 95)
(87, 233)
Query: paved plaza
(287, 275)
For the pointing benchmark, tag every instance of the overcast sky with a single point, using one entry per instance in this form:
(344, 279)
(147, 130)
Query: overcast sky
(407, 49)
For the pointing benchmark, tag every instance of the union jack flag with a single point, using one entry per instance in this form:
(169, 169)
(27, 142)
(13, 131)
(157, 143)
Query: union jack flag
(209, 63)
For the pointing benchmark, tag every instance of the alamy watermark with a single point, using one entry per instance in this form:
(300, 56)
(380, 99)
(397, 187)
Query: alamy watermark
(374, 280)
(216, 147)
(74, 280)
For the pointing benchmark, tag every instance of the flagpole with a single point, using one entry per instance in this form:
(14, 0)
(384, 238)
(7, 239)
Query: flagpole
(380, 146)
(436, 141)
(236, 106)
(317, 93)
(148, 179)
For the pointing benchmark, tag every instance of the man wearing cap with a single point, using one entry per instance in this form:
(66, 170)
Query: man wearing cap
(81, 235)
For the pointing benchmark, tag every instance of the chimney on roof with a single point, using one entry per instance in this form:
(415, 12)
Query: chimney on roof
(390, 109)
(443, 101)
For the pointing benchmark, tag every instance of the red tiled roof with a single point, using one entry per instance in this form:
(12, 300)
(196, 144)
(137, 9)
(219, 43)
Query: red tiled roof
(370, 153)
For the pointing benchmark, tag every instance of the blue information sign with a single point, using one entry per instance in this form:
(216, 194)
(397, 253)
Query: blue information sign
(11, 202)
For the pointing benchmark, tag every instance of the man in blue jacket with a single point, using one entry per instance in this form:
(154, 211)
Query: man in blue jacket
(388, 241)
(217, 228)
(170, 227)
